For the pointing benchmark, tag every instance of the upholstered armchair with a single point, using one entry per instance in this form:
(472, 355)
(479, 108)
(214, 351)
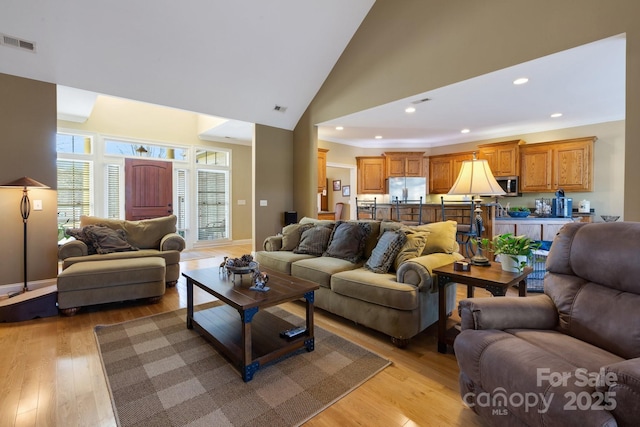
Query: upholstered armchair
(570, 356)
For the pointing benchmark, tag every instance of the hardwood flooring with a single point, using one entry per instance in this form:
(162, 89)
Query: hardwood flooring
(52, 376)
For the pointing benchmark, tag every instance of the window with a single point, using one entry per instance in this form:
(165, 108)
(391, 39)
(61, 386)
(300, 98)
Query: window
(181, 201)
(113, 201)
(212, 205)
(124, 148)
(217, 158)
(73, 144)
(74, 191)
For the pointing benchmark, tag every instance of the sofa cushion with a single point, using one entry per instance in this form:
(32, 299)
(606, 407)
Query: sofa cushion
(107, 240)
(320, 269)
(412, 248)
(291, 235)
(385, 252)
(279, 260)
(315, 240)
(442, 237)
(348, 240)
(143, 234)
(379, 289)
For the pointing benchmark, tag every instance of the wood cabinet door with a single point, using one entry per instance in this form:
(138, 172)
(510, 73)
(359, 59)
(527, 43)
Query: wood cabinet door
(396, 166)
(536, 168)
(507, 161)
(413, 166)
(503, 228)
(532, 231)
(457, 165)
(573, 166)
(440, 172)
(549, 231)
(371, 175)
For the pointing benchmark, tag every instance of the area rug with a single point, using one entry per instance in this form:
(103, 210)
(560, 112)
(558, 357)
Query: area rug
(160, 373)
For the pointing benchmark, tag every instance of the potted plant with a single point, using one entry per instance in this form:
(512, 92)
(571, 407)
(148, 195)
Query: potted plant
(514, 251)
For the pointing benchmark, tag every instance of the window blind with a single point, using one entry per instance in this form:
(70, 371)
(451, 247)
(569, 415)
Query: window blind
(74, 191)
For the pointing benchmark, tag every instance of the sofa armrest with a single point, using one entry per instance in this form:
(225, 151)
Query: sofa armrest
(72, 249)
(537, 312)
(172, 242)
(417, 271)
(620, 383)
(272, 243)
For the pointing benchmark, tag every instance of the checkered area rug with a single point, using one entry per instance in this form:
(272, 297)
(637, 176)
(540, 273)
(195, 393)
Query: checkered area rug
(162, 374)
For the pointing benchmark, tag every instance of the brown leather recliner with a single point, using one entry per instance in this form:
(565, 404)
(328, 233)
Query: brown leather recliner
(568, 357)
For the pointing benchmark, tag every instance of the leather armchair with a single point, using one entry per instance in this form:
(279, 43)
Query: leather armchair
(570, 356)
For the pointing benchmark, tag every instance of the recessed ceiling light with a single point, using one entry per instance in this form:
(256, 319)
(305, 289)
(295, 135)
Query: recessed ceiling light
(339, 127)
(410, 110)
(378, 136)
(520, 81)
(555, 115)
(465, 131)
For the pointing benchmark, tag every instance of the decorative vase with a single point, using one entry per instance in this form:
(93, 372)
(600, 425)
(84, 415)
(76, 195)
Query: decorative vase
(510, 264)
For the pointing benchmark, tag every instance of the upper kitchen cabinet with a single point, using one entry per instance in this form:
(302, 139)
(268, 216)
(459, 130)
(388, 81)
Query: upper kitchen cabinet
(322, 169)
(443, 171)
(371, 175)
(566, 164)
(401, 164)
(503, 157)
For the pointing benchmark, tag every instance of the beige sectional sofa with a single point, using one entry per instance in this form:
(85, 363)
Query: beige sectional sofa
(349, 261)
(135, 239)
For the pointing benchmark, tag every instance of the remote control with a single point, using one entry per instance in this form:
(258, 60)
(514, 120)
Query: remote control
(294, 332)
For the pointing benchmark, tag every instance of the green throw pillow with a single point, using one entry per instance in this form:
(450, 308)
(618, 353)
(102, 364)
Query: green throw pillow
(412, 248)
(385, 252)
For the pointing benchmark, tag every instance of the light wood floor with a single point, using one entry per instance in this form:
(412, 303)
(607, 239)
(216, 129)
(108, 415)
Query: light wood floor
(50, 371)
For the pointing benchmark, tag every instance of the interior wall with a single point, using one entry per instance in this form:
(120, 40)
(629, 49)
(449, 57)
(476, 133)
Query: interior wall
(341, 174)
(274, 180)
(426, 44)
(27, 121)
(117, 117)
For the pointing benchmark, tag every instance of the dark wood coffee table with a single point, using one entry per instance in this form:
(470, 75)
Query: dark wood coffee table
(252, 338)
(492, 278)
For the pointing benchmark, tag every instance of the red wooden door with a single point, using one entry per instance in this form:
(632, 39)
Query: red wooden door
(148, 188)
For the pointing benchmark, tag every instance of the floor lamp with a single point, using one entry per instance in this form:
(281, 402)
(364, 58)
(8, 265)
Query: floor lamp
(25, 208)
(475, 179)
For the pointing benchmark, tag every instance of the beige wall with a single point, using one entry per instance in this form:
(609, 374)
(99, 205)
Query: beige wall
(274, 180)
(426, 44)
(27, 121)
(115, 117)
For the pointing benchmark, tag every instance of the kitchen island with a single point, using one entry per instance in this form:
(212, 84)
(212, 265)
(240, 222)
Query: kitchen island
(536, 228)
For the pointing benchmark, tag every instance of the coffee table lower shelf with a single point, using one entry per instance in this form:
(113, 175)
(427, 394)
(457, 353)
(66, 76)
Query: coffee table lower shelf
(224, 328)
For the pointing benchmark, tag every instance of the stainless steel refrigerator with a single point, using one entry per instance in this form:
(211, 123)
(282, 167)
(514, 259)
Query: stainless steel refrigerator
(407, 188)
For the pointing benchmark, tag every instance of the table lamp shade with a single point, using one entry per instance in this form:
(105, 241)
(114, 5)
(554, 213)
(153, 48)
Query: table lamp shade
(476, 178)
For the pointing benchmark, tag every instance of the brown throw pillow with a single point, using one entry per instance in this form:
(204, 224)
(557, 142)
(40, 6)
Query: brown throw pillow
(107, 240)
(81, 235)
(348, 240)
(314, 241)
(385, 251)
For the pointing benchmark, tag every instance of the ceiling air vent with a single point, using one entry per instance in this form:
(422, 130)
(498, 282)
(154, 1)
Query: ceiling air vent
(420, 101)
(16, 42)
(280, 108)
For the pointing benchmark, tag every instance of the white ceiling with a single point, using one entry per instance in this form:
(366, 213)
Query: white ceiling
(238, 60)
(586, 84)
(233, 59)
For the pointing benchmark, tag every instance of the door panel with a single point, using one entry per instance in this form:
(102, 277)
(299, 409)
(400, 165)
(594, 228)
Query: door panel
(148, 188)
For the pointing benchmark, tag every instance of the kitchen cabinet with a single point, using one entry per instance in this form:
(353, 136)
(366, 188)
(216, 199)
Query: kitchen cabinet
(566, 164)
(503, 157)
(401, 164)
(534, 228)
(322, 169)
(371, 175)
(443, 171)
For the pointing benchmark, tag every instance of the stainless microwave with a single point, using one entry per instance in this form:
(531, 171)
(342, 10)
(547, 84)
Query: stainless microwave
(510, 185)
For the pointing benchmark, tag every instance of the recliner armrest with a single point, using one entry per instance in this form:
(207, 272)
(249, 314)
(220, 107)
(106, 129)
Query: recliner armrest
(537, 312)
(73, 248)
(172, 242)
(620, 385)
(417, 271)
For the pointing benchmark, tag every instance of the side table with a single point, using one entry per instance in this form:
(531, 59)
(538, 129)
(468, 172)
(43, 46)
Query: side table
(491, 278)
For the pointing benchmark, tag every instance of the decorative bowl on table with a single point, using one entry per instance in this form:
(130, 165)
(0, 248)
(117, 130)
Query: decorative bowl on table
(519, 214)
(610, 218)
(245, 269)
